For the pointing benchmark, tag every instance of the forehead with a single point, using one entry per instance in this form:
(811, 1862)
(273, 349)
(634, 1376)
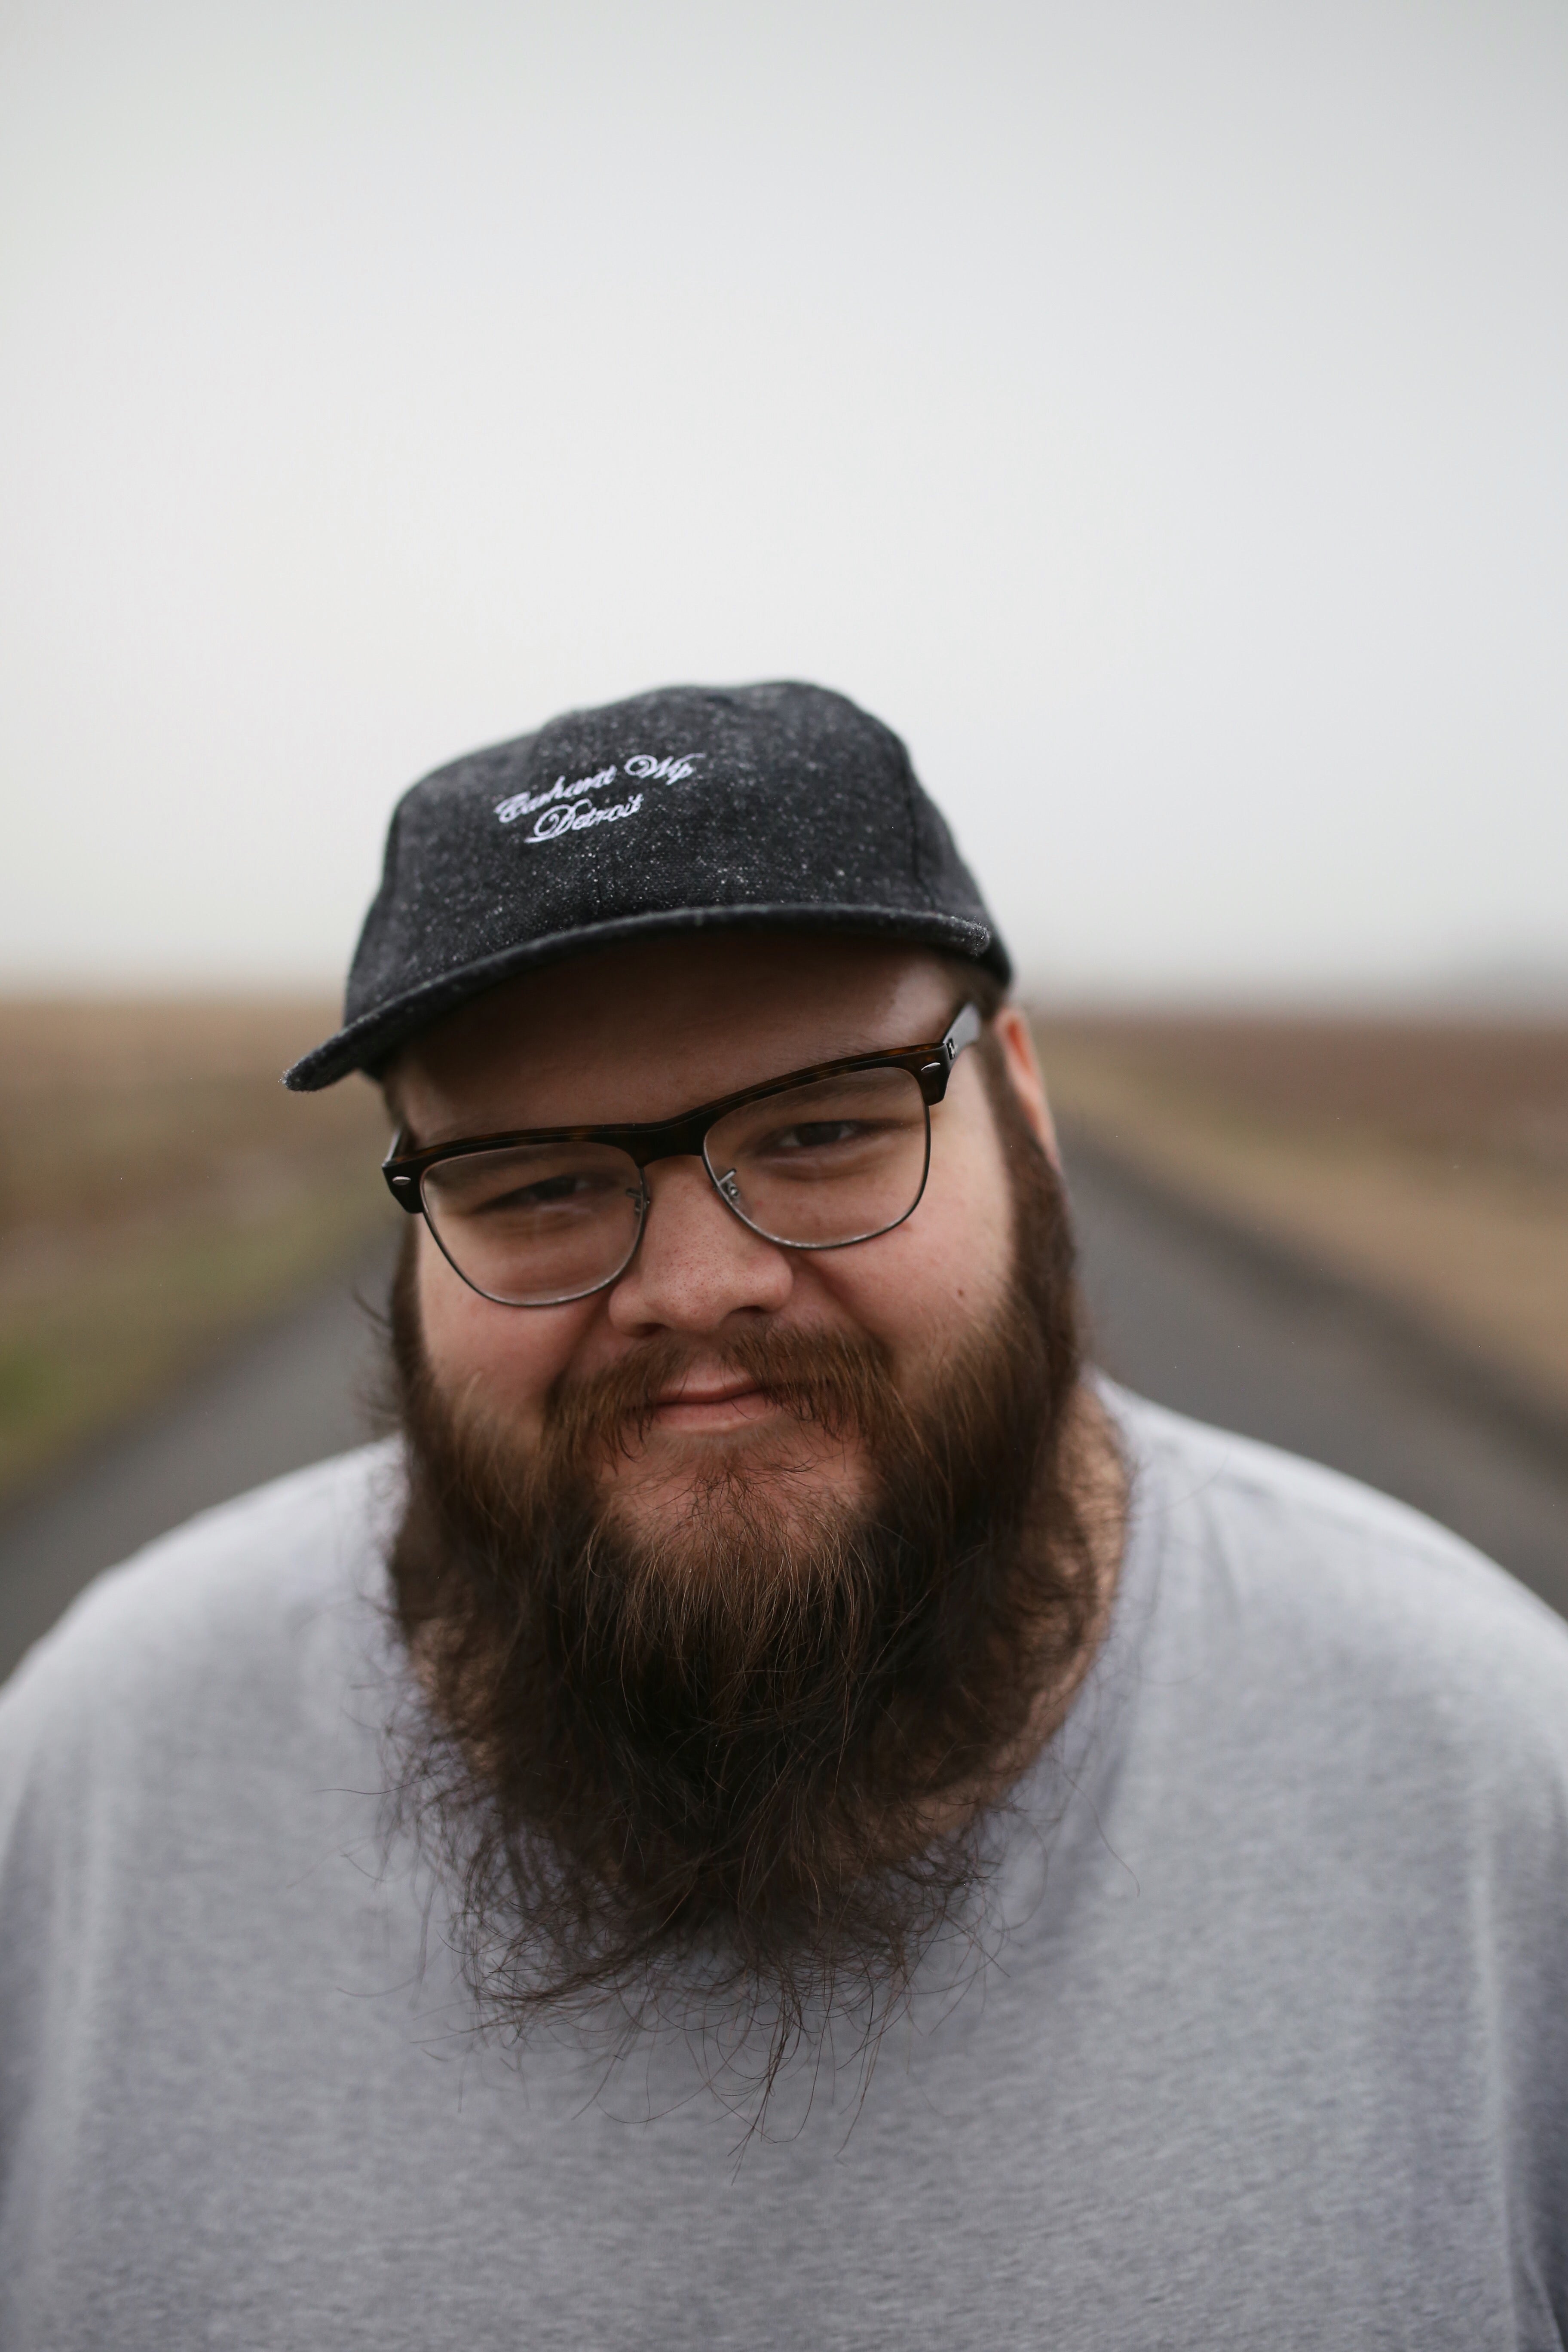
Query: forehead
(646, 1030)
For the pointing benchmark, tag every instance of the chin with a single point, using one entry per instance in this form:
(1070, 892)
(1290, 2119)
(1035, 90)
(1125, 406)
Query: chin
(738, 1491)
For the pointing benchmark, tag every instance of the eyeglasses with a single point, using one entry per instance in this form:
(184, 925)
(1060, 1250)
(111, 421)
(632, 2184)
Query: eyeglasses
(821, 1159)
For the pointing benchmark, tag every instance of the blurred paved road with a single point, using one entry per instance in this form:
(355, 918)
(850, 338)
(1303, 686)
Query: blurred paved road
(1183, 1313)
(297, 1392)
(1180, 1313)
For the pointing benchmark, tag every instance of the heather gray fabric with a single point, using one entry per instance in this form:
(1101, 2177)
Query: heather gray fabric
(1276, 2053)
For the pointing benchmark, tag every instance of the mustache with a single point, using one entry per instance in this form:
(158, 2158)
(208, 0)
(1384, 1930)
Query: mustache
(842, 1382)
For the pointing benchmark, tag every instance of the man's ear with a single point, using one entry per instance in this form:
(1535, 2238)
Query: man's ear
(1013, 1032)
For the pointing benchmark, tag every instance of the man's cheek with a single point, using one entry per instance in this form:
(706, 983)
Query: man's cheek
(503, 1358)
(921, 1287)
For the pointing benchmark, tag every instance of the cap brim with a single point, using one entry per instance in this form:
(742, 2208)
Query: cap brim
(370, 1042)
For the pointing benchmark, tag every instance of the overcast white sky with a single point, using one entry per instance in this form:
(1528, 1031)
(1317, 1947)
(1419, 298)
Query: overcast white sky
(1156, 411)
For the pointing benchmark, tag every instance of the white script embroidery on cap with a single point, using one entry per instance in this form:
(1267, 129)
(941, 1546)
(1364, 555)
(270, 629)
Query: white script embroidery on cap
(524, 803)
(673, 769)
(576, 816)
(564, 808)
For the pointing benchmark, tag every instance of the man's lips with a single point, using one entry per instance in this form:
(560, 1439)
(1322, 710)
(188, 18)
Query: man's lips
(712, 1401)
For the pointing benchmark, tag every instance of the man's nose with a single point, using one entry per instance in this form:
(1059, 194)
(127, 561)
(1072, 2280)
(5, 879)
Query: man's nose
(698, 1264)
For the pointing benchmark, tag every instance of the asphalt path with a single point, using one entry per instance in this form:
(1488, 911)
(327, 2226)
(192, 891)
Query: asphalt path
(1182, 1309)
(298, 1390)
(1212, 1322)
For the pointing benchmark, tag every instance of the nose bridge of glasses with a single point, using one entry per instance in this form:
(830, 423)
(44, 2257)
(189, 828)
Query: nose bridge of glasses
(674, 1139)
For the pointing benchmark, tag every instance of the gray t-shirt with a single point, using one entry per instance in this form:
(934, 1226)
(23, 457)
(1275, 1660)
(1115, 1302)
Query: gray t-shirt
(1273, 2051)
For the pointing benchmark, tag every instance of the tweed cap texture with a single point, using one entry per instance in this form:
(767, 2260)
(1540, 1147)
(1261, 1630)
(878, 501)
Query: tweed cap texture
(692, 808)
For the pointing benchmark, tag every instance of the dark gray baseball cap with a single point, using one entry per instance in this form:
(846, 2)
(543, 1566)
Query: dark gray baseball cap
(692, 808)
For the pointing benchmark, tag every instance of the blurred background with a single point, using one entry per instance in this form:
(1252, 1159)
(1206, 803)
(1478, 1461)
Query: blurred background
(1155, 411)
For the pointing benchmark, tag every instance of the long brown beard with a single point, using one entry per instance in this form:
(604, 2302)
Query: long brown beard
(745, 1762)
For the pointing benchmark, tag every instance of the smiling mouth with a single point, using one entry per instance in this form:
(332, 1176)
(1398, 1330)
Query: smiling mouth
(720, 1403)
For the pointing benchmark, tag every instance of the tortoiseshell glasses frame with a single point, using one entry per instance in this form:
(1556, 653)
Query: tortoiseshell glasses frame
(545, 1215)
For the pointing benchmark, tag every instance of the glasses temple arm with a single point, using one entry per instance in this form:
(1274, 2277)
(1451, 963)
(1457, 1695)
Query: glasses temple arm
(966, 1028)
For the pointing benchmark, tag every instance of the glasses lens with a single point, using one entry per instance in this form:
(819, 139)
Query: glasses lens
(834, 1162)
(536, 1223)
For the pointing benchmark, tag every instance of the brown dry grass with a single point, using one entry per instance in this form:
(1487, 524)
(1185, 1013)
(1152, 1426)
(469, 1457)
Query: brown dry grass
(1427, 1159)
(158, 1189)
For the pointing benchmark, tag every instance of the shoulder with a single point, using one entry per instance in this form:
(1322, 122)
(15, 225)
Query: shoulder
(1339, 1604)
(203, 1624)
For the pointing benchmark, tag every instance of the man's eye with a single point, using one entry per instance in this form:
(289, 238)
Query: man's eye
(819, 1135)
(545, 1193)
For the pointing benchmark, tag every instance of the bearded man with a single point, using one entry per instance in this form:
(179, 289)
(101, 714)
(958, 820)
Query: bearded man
(780, 1809)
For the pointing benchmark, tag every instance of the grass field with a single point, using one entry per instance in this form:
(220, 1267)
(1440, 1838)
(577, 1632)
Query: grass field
(1425, 1160)
(159, 1189)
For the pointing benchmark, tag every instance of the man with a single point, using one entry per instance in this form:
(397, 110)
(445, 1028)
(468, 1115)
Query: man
(780, 1810)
